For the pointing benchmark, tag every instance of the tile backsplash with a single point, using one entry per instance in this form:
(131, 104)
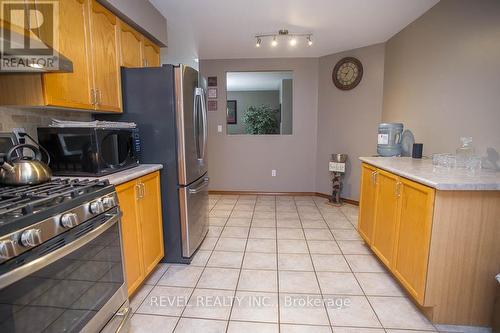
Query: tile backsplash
(31, 119)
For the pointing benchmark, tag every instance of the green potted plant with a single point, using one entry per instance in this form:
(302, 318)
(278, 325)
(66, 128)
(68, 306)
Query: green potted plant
(260, 120)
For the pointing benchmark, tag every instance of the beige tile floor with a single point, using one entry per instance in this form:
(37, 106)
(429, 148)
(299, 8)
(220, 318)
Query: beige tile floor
(277, 264)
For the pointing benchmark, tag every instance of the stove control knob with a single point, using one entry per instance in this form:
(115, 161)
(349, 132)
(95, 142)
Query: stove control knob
(6, 249)
(31, 237)
(96, 207)
(108, 202)
(69, 220)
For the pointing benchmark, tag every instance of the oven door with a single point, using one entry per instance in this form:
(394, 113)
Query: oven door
(73, 282)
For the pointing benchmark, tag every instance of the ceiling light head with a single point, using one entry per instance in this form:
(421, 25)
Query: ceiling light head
(274, 41)
(293, 41)
(259, 41)
(309, 41)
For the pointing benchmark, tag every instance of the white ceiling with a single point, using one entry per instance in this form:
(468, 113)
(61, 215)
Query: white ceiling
(224, 29)
(253, 81)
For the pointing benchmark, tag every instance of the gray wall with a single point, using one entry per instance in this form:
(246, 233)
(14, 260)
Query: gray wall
(325, 120)
(246, 99)
(442, 76)
(245, 162)
(286, 99)
(347, 120)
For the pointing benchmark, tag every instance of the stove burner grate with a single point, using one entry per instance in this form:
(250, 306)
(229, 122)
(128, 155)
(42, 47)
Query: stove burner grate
(17, 201)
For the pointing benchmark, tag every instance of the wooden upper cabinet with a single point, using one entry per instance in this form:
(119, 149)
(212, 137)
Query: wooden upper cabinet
(386, 210)
(413, 237)
(130, 46)
(72, 90)
(368, 198)
(151, 54)
(97, 43)
(106, 68)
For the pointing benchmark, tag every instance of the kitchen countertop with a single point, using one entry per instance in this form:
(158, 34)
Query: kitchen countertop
(422, 171)
(125, 175)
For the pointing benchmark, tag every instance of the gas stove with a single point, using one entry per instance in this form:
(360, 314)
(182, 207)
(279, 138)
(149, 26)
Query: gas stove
(31, 215)
(61, 258)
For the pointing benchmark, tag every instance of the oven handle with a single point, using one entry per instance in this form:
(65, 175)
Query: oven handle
(35, 265)
(125, 313)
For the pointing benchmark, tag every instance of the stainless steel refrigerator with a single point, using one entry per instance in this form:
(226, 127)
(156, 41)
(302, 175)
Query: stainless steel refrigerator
(168, 105)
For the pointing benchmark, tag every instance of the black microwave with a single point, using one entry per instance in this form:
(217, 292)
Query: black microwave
(84, 151)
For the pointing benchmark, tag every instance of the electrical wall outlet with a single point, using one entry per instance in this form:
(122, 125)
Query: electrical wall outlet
(219, 128)
(273, 173)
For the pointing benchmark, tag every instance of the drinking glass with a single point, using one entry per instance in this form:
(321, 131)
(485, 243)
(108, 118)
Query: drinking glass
(450, 161)
(473, 164)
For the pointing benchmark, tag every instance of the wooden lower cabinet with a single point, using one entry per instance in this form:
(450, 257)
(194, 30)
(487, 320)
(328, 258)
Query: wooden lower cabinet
(386, 215)
(367, 202)
(411, 248)
(442, 246)
(142, 230)
(131, 235)
(151, 223)
(399, 215)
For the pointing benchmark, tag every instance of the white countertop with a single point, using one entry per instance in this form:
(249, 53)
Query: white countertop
(125, 175)
(422, 171)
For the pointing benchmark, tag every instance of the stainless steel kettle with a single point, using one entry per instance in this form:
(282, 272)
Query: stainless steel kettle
(24, 170)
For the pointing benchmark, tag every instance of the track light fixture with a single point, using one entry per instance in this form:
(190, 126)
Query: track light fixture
(281, 34)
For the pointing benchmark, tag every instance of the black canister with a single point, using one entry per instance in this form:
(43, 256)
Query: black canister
(417, 150)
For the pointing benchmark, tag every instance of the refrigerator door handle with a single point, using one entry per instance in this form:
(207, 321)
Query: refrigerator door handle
(201, 187)
(205, 124)
(196, 133)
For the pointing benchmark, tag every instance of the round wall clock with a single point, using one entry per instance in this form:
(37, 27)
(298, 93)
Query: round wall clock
(347, 73)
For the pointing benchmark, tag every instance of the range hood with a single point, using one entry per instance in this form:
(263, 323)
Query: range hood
(29, 60)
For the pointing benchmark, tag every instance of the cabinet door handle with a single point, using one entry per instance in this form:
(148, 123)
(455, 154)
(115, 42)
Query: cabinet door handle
(98, 96)
(138, 191)
(92, 96)
(397, 190)
(143, 190)
(374, 177)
